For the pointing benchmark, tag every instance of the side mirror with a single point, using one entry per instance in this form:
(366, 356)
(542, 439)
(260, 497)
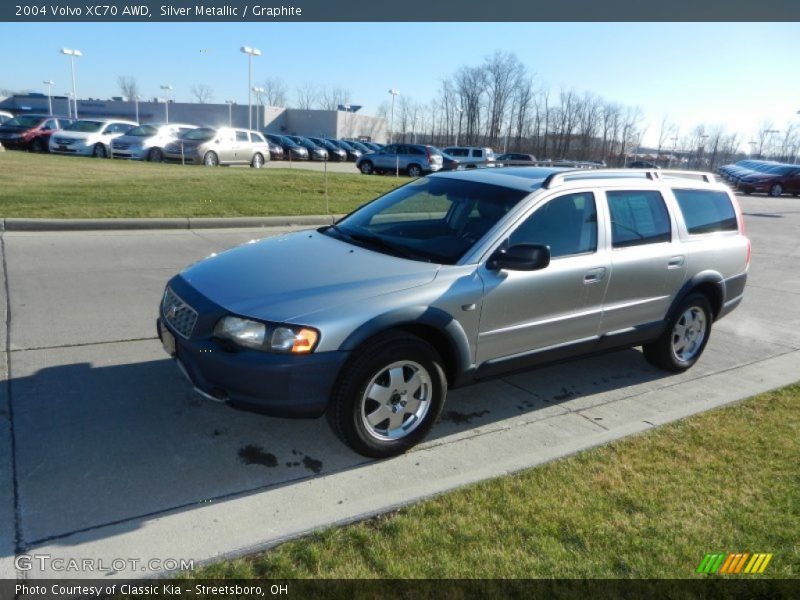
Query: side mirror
(521, 257)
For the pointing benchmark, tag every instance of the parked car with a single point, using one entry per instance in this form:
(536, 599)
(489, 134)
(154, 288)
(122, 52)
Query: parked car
(352, 153)
(213, 146)
(776, 181)
(5, 116)
(334, 152)
(291, 150)
(513, 159)
(361, 147)
(642, 164)
(449, 163)
(411, 159)
(275, 150)
(471, 156)
(372, 146)
(147, 142)
(314, 152)
(89, 137)
(31, 132)
(371, 320)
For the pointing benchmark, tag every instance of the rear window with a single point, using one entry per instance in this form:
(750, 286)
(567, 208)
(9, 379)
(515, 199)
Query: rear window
(706, 211)
(638, 217)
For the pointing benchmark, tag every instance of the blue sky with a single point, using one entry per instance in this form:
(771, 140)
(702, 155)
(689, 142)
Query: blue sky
(734, 74)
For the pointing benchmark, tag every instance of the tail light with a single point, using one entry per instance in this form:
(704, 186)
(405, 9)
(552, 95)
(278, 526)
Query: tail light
(428, 153)
(749, 253)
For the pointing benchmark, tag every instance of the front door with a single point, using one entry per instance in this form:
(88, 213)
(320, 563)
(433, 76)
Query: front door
(528, 311)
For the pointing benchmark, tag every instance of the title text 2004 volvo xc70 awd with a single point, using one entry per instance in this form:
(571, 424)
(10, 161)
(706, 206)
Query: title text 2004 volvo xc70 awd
(453, 278)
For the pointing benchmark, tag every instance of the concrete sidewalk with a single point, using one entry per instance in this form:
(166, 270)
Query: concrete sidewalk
(125, 224)
(114, 457)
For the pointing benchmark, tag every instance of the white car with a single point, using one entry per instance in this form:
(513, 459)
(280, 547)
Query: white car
(5, 116)
(89, 137)
(147, 141)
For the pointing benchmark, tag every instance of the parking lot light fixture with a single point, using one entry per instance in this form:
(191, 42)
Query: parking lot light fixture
(251, 52)
(72, 54)
(230, 104)
(460, 112)
(49, 83)
(167, 88)
(136, 106)
(69, 103)
(394, 93)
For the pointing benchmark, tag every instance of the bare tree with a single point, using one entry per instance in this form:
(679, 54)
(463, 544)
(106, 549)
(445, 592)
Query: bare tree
(307, 95)
(276, 91)
(128, 87)
(330, 98)
(470, 85)
(664, 132)
(502, 72)
(202, 93)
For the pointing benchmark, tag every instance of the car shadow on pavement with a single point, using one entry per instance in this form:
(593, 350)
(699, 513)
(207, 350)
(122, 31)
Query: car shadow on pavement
(100, 445)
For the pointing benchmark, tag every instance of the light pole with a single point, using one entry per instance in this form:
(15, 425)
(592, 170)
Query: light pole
(72, 54)
(753, 145)
(69, 103)
(674, 141)
(460, 112)
(167, 88)
(230, 104)
(701, 146)
(251, 52)
(49, 83)
(136, 99)
(764, 140)
(394, 93)
(258, 91)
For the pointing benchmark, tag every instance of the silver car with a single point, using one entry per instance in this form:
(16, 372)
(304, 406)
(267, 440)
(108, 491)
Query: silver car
(212, 146)
(412, 159)
(89, 137)
(146, 142)
(471, 156)
(452, 279)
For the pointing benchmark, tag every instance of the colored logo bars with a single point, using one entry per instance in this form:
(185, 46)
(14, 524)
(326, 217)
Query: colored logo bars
(734, 563)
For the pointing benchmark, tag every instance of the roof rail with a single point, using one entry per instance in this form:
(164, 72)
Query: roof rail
(560, 177)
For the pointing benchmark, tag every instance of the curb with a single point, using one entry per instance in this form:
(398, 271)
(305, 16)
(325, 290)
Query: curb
(22, 224)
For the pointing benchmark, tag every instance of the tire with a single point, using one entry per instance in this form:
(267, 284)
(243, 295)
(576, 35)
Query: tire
(414, 171)
(776, 190)
(366, 167)
(155, 155)
(678, 349)
(99, 151)
(38, 146)
(258, 161)
(210, 159)
(388, 396)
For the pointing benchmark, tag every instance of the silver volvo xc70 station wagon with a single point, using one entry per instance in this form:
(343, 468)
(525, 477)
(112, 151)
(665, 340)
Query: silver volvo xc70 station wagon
(451, 279)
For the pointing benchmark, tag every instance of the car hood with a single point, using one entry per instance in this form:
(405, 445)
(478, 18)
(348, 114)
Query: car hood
(284, 278)
(76, 135)
(139, 140)
(13, 129)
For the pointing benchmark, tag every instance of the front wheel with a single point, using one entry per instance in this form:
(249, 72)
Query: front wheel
(257, 162)
(414, 171)
(776, 190)
(366, 167)
(99, 151)
(685, 337)
(389, 396)
(38, 146)
(155, 155)
(210, 159)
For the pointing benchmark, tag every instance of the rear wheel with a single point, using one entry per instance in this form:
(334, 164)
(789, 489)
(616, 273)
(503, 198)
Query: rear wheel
(388, 396)
(366, 167)
(99, 151)
(210, 159)
(414, 171)
(776, 190)
(685, 337)
(258, 161)
(155, 155)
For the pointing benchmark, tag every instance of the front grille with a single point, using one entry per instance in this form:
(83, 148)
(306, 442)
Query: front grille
(179, 315)
(120, 145)
(60, 141)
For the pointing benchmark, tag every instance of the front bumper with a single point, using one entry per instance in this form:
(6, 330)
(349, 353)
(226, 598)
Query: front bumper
(280, 385)
(750, 187)
(130, 153)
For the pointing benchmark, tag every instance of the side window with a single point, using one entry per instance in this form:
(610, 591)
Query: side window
(705, 211)
(477, 153)
(638, 217)
(568, 224)
(390, 149)
(241, 136)
(460, 152)
(414, 150)
(50, 125)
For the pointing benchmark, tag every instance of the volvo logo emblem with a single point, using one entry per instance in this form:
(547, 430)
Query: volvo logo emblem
(172, 312)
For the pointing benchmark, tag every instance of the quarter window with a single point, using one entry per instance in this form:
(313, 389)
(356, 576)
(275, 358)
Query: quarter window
(241, 136)
(706, 211)
(568, 225)
(638, 217)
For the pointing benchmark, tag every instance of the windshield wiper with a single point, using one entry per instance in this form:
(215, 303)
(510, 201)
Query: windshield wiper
(378, 242)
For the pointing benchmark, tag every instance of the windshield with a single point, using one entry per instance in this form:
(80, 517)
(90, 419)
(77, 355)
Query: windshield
(289, 143)
(344, 145)
(203, 134)
(782, 170)
(85, 126)
(143, 131)
(434, 219)
(26, 122)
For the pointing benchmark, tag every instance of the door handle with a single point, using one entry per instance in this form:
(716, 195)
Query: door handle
(594, 275)
(675, 262)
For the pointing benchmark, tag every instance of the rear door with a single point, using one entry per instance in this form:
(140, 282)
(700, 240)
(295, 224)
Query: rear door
(386, 158)
(647, 263)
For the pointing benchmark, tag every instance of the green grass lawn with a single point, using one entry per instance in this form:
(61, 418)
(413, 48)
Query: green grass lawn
(40, 185)
(649, 506)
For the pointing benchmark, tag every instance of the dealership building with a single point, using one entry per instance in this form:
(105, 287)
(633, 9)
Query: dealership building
(272, 119)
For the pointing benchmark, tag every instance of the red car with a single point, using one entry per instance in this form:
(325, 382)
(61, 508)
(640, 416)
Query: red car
(31, 132)
(775, 181)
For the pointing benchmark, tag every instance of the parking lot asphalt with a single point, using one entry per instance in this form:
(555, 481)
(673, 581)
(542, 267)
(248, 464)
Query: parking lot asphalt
(310, 165)
(106, 453)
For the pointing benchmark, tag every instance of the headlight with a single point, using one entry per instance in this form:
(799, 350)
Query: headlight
(286, 339)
